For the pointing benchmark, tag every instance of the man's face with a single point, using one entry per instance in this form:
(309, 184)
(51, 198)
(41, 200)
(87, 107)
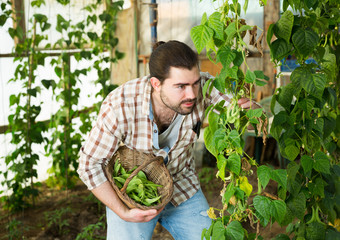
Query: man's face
(180, 90)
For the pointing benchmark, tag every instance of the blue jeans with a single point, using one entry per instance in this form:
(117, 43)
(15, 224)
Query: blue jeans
(183, 222)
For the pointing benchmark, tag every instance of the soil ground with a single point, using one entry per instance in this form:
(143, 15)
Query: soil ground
(63, 215)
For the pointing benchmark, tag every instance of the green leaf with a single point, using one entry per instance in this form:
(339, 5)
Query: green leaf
(321, 162)
(32, 92)
(280, 49)
(292, 152)
(232, 72)
(307, 106)
(251, 113)
(235, 138)
(315, 231)
(204, 18)
(205, 88)
(301, 77)
(263, 173)
(231, 31)
(234, 231)
(278, 210)
(225, 56)
(305, 41)
(250, 76)
(221, 164)
(230, 190)
(263, 206)
(245, 6)
(283, 27)
(285, 96)
(316, 86)
(12, 100)
(280, 176)
(219, 83)
(216, 24)
(234, 163)
(297, 205)
(317, 187)
(218, 231)
(208, 140)
(270, 34)
(238, 58)
(201, 35)
(307, 163)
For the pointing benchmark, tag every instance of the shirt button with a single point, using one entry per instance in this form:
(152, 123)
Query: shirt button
(155, 131)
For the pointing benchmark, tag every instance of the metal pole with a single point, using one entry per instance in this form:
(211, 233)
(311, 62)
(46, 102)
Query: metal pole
(153, 21)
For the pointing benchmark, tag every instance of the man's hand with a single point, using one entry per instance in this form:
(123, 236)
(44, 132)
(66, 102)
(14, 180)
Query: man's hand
(245, 103)
(139, 215)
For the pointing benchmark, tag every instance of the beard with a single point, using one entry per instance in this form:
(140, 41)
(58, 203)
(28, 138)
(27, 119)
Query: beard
(178, 107)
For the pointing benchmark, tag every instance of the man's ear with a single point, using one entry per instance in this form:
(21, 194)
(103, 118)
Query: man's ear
(155, 83)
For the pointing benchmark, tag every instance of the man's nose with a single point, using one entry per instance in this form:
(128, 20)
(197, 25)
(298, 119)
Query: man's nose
(190, 93)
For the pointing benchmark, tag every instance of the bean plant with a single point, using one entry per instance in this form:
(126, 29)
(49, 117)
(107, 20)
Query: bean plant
(25, 108)
(63, 136)
(222, 35)
(307, 129)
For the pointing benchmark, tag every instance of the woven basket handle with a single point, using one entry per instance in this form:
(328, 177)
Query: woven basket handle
(134, 173)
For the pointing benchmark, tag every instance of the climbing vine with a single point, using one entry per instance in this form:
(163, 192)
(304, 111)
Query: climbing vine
(66, 133)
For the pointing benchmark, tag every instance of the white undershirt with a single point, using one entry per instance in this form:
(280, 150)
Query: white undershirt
(169, 136)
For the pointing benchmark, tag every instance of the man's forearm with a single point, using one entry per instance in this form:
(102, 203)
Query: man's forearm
(108, 196)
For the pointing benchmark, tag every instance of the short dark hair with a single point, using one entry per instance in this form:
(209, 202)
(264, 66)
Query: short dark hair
(170, 54)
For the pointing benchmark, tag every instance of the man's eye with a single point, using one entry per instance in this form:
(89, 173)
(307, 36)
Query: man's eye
(180, 87)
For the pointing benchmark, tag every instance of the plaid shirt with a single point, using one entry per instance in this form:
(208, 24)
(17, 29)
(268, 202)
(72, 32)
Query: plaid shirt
(125, 118)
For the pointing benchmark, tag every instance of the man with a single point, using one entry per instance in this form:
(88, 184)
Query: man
(158, 114)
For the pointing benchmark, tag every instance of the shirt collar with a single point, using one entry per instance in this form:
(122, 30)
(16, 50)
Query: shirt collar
(147, 96)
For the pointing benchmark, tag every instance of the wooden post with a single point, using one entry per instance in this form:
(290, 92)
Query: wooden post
(271, 14)
(18, 7)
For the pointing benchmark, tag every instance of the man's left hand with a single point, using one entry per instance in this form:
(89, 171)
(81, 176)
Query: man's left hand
(245, 103)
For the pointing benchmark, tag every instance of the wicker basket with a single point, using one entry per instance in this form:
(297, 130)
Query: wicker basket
(152, 166)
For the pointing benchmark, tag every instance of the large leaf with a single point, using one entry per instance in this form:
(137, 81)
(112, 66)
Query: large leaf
(301, 77)
(316, 86)
(280, 49)
(225, 56)
(250, 76)
(283, 27)
(307, 163)
(321, 162)
(221, 164)
(263, 173)
(278, 210)
(234, 231)
(263, 206)
(234, 163)
(285, 96)
(297, 205)
(292, 151)
(208, 140)
(305, 40)
(280, 176)
(216, 24)
(201, 35)
(218, 231)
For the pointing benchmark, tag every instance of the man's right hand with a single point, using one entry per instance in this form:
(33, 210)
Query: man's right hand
(139, 215)
(108, 196)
